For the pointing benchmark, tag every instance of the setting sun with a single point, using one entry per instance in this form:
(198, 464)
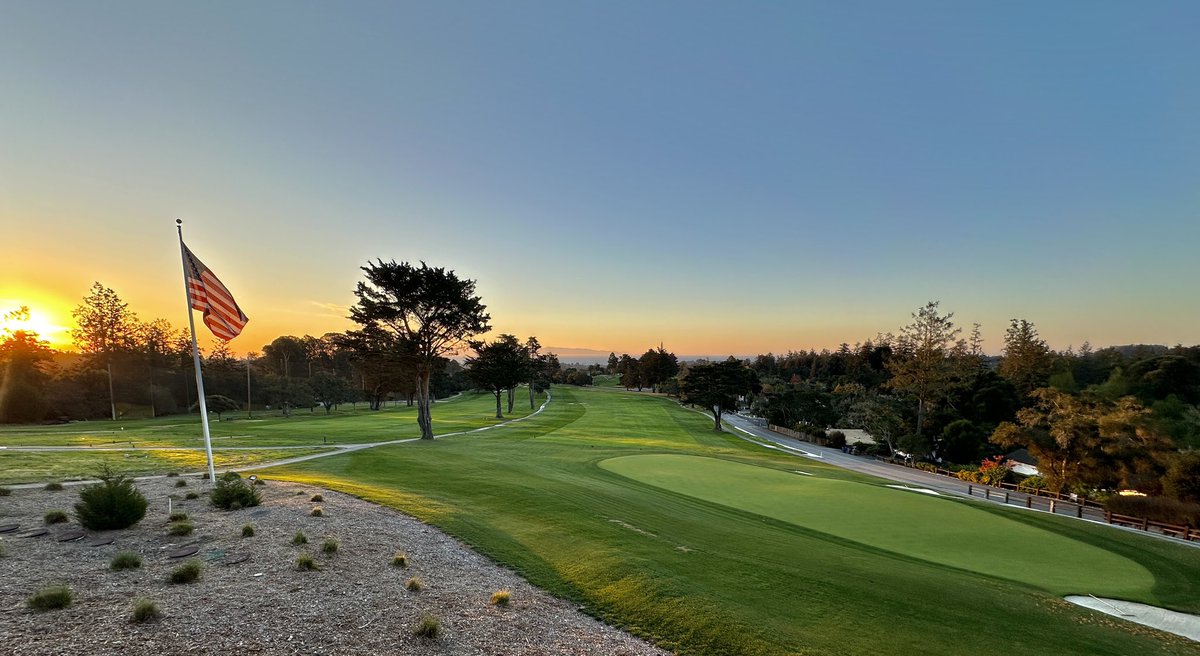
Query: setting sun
(47, 326)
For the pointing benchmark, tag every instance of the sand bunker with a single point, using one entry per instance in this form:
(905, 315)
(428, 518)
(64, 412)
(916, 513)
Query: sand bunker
(1162, 619)
(922, 490)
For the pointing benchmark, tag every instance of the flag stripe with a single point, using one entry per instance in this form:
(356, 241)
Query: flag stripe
(207, 294)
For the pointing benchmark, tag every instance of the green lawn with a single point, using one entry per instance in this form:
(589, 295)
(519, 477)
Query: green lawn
(313, 430)
(637, 510)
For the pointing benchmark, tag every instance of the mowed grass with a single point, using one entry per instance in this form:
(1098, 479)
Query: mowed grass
(33, 467)
(720, 549)
(347, 425)
(252, 441)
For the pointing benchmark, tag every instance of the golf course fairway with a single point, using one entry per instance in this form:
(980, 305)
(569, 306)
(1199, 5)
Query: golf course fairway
(939, 530)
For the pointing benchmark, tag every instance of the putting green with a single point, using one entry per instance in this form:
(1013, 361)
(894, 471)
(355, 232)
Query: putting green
(911, 524)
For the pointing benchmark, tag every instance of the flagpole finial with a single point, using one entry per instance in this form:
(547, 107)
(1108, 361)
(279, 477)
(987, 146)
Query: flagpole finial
(179, 222)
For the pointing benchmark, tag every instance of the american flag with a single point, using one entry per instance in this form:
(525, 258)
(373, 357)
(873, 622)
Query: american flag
(206, 293)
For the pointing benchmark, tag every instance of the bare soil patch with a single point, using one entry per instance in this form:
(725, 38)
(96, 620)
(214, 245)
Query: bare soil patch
(355, 603)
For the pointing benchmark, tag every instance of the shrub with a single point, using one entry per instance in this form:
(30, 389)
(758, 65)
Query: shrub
(188, 572)
(299, 538)
(53, 487)
(1032, 484)
(144, 610)
(181, 528)
(259, 481)
(415, 584)
(55, 516)
(191, 495)
(501, 597)
(305, 563)
(428, 627)
(177, 517)
(317, 512)
(993, 471)
(968, 474)
(51, 598)
(232, 493)
(400, 560)
(181, 483)
(172, 474)
(317, 498)
(113, 504)
(4, 491)
(126, 560)
(1182, 480)
(1157, 509)
(837, 439)
(247, 531)
(927, 466)
(329, 547)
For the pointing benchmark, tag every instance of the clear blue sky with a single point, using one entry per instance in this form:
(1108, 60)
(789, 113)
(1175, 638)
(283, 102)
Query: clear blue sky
(722, 177)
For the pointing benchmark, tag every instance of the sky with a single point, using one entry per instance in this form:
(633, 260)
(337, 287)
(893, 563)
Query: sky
(736, 177)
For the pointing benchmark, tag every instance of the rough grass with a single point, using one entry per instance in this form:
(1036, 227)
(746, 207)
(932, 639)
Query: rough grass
(707, 575)
(126, 560)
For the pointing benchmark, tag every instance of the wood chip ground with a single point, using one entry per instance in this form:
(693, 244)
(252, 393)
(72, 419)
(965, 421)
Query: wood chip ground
(356, 603)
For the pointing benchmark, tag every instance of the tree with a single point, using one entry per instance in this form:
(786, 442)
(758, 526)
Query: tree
(717, 386)
(881, 416)
(105, 326)
(330, 390)
(498, 366)
(613, 361)
(1182, 480)
(220, 404)
(534, 365)
(23, 358)
(429, 308)
(1027, 359)
(924, 366)
(657, 366)
(630, 370)
(383, 362)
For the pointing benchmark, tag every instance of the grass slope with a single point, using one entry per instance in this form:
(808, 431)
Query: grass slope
(712, 573)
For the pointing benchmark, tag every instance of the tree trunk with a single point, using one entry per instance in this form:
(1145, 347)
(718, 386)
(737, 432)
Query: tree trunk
(497, 394)
(112, 400)
(153, 411)
(716, 413)
(531, 394)
(511, 394)
(920, 415)
(424, 417)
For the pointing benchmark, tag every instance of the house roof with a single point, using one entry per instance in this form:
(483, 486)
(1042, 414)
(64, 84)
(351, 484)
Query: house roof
(1022, 456)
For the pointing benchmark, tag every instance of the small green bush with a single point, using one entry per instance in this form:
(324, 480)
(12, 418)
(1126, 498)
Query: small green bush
(126, 560)
(247, 531)
(501, 597)
(51, 598)
(177, 516)
(172, 474)
(181, 528)
(4, 491)
(415, 584)
(927, 466)
(181, 483)
(317, 498)
(144, 610)
(400, 559)
(329, 547)
(428, 627)
(1032, 484)
(55, 516)
(53, 487)
(305, 563)
(317, 512)
(113, 504)
(299, 538)
(188, 572)
(191, 495)
(232, 493)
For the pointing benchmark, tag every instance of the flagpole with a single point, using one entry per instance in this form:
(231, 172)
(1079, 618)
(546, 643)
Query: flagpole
(212, 471)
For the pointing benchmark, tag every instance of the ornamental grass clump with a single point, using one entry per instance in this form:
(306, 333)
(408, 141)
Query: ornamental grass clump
(415, 584)
(305, 563)
(317, 498)
(181, 528)
(191, 495)
(177, 516)
(5, 491)
(329, 547)
(181, 483)
(126, 560)
(232, 493)
(429, 627)
(53, 487)
(501, 597)
(115, 503)
(188, 572)
(144, 610)
(317, 512)
(51, 598)
(400, 559)
(247, 531)
(299, 538)
(55, 516)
